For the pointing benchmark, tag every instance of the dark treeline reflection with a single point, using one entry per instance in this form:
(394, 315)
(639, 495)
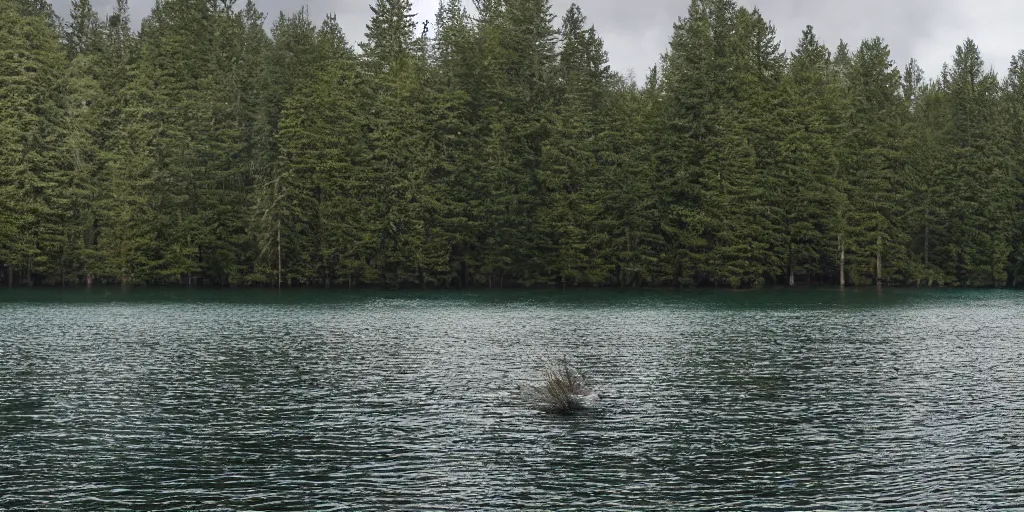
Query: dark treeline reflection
(496, 149)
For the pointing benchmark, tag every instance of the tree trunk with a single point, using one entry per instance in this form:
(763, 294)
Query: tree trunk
(629, 250)
(878, 262)
(929, 273)
(278, 255)
(842, 263)
(792, 278)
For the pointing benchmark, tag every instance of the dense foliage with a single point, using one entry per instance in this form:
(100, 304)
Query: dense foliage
(496, 149)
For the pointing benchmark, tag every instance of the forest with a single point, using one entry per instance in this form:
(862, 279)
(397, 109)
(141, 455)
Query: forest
(494, 148)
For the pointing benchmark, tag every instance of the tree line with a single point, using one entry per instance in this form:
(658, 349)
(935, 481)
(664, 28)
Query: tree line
(497, 148)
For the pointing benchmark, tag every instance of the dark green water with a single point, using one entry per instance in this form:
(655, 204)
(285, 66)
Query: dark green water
(768, 400)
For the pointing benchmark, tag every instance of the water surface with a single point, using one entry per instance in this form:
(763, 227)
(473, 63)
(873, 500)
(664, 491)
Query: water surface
(766, 400)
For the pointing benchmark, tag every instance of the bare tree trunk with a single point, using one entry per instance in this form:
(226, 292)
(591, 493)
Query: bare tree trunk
(629, 250)
(929, 273)
(278, 255)
(792, 278)
(878, 262)
(842, 263)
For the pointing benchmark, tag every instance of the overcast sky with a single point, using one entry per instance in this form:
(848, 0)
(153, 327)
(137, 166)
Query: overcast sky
(636, 32)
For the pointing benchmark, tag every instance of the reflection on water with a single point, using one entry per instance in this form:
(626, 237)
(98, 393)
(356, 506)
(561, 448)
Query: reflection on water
(315, 401)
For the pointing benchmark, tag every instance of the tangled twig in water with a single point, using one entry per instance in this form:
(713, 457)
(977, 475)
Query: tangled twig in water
(565, 389)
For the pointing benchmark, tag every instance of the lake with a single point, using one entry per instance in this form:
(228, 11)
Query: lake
(815, 399)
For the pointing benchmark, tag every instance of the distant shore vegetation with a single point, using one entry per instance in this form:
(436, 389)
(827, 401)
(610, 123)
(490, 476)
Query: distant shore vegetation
(497, 148)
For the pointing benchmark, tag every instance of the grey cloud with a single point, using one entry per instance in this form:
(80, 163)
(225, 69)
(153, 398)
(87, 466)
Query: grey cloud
(636, 32)
(927, 30)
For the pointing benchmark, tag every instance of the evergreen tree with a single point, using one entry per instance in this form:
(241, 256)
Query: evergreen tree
(496, 150)
(926, 177)
(1013, 96)
(201, 187)
(121, 243)
(983, 185)
(402, 197)
(682, 125)
(809, 161)
(873, 168)
(568, 169)
(321, 144)
(626, 228)
(720, 164)
(517, 105)
(453, 146)
(83, 137)
(82, 33)
(291, 61)
(34, 206)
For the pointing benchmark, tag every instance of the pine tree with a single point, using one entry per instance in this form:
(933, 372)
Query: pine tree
(453, 145)
(873, 167)
(809, 161)
(83, 118)
(282, 253)
(499, 150)
(82, 33)
(983, 187)
(627, 225)
(516, 97)
(718, 163)
(33, 206)
(927, 174)
(568, 169)
(1013, 95)
(121, 244)
(760, 104)
(681, 126)
(191, 50)
(403, 197)
(322, 147)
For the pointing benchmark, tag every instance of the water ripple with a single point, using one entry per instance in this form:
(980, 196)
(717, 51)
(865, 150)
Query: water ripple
(710, 402)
